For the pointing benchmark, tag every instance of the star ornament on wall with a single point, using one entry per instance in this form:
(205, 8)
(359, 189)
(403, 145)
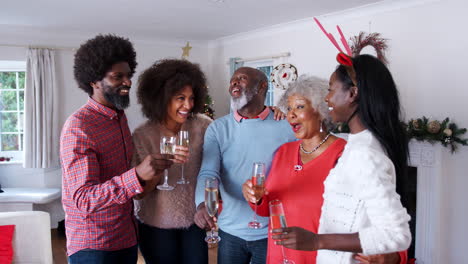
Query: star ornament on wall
(186, 50)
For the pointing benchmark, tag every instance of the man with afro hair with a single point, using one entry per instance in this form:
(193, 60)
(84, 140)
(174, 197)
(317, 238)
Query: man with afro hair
(95, 152)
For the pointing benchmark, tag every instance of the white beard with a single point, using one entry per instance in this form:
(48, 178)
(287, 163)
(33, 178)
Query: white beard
(238, 103)
(243, 100)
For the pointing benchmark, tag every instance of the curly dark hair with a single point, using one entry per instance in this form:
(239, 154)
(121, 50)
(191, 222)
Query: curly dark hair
(161, 81)
(96, 56)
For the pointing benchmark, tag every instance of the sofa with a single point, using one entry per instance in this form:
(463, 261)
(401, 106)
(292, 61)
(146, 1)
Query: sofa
(32, 237)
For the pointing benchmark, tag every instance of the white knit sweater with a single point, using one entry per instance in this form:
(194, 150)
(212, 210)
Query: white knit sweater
(360, 197)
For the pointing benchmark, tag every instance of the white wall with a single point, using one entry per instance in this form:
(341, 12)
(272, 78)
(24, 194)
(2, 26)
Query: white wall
(70, 96)
(428, 55)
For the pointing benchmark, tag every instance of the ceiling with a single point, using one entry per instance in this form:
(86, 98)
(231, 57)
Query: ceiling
(169, 19)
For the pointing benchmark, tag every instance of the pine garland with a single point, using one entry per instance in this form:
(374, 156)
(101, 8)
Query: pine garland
(421, 129)
(445, 132)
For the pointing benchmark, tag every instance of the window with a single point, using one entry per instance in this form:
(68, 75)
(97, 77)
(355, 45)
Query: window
(270, 93)
(12, 83)
(266, 67)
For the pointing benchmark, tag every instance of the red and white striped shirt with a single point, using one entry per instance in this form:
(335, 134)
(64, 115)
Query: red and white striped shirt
(98, 184)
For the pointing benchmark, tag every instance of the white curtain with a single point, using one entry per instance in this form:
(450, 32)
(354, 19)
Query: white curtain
(41, 133)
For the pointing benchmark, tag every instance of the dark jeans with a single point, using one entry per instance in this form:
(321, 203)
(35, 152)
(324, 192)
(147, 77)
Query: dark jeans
(174, 246)
(92, 256)
(235, 250)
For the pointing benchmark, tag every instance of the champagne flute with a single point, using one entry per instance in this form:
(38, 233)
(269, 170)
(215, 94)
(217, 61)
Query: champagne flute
(258, 182)
(212, 205)
(278, 220)
(183, 140)
(166, 146)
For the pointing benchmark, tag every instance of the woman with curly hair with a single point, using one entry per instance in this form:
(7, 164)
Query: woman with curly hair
(171, 93)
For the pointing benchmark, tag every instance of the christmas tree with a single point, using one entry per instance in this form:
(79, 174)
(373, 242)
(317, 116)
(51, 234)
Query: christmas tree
(208, 110)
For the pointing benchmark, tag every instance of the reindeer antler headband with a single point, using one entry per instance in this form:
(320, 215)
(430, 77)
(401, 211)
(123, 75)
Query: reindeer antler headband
(342, 58)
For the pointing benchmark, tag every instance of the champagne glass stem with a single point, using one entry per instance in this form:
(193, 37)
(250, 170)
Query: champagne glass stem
(255, 212)
(166, 177)
(284, 255)
(285, 258)
(182, 178)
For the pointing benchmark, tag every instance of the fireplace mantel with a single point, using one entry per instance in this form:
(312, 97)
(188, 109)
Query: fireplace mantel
(427, 158)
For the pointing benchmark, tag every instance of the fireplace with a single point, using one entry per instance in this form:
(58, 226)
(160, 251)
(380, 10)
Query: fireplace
(426, 160)
(412, 200)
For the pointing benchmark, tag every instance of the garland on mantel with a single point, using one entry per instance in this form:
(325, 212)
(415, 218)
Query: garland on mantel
(421, 129)
(445, 132)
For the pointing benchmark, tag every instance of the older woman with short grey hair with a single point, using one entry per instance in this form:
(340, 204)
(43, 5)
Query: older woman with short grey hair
(299, 168)
(314, 89)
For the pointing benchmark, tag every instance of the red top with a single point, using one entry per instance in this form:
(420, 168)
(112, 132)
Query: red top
(98, 184)
(300, 191)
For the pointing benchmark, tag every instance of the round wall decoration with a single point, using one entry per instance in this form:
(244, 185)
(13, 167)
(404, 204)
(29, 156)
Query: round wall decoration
(282, 75)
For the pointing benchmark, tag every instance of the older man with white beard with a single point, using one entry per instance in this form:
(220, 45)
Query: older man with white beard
(232, 144)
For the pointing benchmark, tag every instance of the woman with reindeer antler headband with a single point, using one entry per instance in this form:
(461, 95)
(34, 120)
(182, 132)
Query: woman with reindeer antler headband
(362, 211)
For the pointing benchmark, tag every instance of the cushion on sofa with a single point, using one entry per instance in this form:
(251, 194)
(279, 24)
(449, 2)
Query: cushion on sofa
(6, 246)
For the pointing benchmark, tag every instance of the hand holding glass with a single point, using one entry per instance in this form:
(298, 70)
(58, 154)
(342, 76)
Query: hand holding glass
(258, 184)
(278, 220)
(166, 146)
(183, 140)
(212, 205)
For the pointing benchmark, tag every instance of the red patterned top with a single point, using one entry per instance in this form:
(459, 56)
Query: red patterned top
(98, 184)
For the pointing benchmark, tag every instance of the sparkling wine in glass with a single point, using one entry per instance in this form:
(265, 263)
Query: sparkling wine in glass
(278, 220)
(183, 140)
(167, 146)
(212, 205)
(258, 184)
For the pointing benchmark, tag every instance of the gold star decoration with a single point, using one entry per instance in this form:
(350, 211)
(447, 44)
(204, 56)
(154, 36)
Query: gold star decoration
(186, 50)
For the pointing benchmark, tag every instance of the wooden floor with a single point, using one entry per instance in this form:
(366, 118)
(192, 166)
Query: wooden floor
(59, 248)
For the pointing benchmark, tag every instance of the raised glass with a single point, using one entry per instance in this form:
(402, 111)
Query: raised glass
(167, 146)
(212, 205)
(278, 220)
(258, 184)
(183, 140)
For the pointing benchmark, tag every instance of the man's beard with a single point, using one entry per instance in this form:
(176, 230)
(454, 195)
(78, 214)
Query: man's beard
(119, 101)
(243, 100)
(238, 103)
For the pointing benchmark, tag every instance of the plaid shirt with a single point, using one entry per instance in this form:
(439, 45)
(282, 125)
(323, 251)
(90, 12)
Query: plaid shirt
(98, 184)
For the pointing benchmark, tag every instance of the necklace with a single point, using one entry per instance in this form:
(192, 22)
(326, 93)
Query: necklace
(316, 147)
